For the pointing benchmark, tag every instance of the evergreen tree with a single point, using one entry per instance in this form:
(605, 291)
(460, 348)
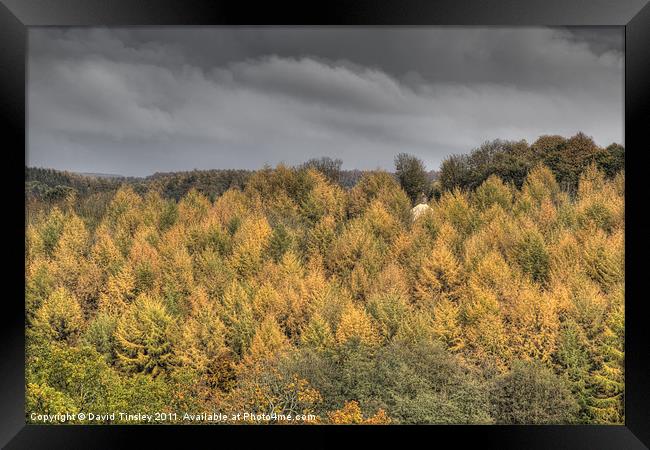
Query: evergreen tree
(143, 337)
(60, 317)
(607, 383)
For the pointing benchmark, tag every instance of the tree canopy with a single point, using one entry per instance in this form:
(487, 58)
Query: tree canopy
(292, 294)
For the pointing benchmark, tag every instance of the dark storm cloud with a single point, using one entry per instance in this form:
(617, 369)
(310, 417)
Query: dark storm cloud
(139, 100)
(599, 39)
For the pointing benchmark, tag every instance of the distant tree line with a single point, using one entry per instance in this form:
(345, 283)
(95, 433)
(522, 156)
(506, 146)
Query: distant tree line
(512, 161)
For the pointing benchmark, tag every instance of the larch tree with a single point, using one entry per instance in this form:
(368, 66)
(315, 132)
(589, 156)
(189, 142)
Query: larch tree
(250, 242)
(532, 324)
(439, 277)
(607, 383)
(143, 336)
(60, 317)
(446, 325)
(317, 334)
(119, 291)
(485, 331)
(236, 312)
(356, 326)
(201, 341)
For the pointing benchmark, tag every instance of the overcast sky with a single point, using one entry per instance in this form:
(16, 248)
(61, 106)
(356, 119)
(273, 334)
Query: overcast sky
(134, 101)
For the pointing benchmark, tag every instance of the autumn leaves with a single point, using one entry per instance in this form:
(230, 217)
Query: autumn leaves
(295, 296)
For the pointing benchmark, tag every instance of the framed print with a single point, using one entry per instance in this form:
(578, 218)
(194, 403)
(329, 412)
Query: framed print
(301, 223)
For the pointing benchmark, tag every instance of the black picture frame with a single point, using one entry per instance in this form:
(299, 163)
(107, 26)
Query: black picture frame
(634, 15)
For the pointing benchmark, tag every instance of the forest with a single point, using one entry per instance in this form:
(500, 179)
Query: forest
(314, 292)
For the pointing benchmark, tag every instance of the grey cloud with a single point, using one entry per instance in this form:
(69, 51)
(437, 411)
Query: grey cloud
(135, 101)
(451, 54)
(599, 39)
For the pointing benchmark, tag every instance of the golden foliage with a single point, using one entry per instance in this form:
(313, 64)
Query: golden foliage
(60, 317)
(493, 191)
(485, 330)
(356, 326)
(532, 324)
(268, 343)
(439, 277)
(249, 242)
(246, 298)
(119, 292)
(317, 334)
(446, 325)
(540, 186)
(351, 414)
(144, 338)
(202, 334)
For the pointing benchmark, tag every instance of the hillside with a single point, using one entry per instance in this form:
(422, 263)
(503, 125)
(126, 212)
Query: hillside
(296, 296)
